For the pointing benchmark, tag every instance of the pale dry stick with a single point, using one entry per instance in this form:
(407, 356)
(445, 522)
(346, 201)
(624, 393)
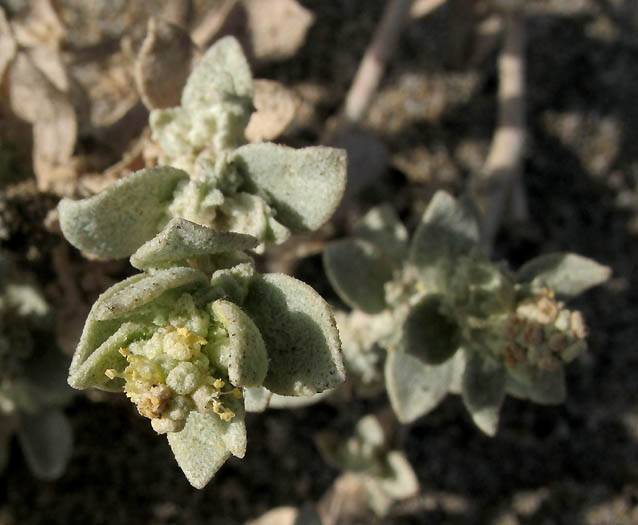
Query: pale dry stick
(371, 68)
(499, 184)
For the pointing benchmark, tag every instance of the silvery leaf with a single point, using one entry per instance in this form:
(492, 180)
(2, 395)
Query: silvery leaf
(414, 388)
(46, 441)
(300, 334)
(304, 185)
(248, 360)
(483, 391)
(202, 447)
(181, 239)
(567, 274)
(115, 222)
(358, 271)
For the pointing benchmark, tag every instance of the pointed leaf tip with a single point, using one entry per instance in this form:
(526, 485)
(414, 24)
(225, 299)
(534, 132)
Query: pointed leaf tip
(448, 229)
(115, 222)
(567, 274)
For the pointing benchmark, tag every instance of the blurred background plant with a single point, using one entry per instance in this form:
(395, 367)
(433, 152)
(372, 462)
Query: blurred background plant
(33, 388)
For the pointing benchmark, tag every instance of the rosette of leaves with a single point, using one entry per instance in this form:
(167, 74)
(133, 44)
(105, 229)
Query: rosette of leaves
(211, 177)
(457, 322)
(197, 328)
(386, 474)
(33, 389)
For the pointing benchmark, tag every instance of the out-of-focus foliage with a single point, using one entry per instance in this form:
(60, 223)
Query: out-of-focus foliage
(450, 319)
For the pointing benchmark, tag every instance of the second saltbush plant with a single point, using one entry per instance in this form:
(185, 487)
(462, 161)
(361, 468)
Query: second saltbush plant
(450, 319)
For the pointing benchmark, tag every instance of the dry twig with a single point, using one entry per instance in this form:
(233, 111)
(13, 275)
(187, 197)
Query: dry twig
(499, 184)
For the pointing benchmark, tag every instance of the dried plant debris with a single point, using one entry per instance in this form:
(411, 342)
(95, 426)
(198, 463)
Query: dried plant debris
(275, 110)
(37, 100)
(445, 311)
(277, 27)
(163, 64)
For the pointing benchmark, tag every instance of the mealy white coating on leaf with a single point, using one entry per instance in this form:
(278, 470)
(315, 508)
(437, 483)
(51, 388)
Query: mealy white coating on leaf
(358, 271)
(483, 391)
(382, 227)
(145, 290)
(448, 229)
(200, 448)
(115, 222)
(414, 388)
(222, 70)
(181, 239)
(251, 214)
(248, 360)
(46, 439)
(567, 274)
(304, 185)
(216, 104)
(300, 334)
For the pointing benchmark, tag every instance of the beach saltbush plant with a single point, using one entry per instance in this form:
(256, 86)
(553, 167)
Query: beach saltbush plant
(198, 328)
(209, 175)
(384, 473)
(33, 388)
(450, 319)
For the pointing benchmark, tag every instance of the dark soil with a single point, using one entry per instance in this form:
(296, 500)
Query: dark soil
(571, 464)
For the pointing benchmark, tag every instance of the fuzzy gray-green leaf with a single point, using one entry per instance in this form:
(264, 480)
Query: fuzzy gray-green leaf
(248, 363)
(358, 271)
(483, 391)
(181, 239)
(448, 229)
(428, 334)
(115, 222)
(200, 449)
(95, 332)
(142, 291)
(91, 372)
(414, 388)
(382, 227)
(304, 185)
(46, 441)
(223, 72)
(300, 334)
(567, 274)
